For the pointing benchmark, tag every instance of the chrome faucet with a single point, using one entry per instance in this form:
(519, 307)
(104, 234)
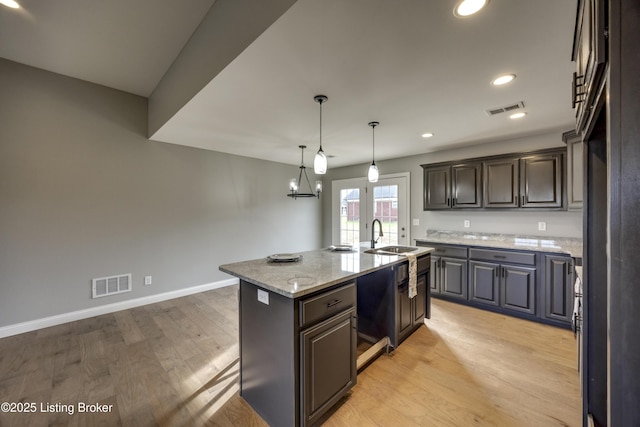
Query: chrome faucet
(373, 227)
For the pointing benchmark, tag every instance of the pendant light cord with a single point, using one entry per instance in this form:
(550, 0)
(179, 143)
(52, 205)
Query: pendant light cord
(321, 125)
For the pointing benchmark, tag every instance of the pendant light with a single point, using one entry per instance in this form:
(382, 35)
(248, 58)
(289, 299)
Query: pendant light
(373, 169)
(295, 185)
(320, 161)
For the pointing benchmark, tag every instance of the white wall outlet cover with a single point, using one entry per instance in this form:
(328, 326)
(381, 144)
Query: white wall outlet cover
(148, 280)
(542, 226)
(263, 296)
(416, 221)
(467, 223)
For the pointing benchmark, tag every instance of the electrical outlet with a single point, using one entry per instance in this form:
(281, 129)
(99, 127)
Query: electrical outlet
(416, 221)
(542, 226)
(147, 280)
(467, 223)
(263, 296)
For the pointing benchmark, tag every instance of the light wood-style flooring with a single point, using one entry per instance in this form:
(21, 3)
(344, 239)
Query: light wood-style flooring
(175, 363)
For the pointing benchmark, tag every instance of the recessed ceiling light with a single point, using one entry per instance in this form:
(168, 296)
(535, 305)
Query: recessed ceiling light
(10, 3)
(517, 115)
(469, 7)
(503, 79)
(427, 135)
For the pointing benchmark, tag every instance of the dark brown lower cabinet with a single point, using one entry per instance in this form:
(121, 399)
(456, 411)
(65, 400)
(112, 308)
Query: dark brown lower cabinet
(449, 277)
(297, 356)
(558, 289)
(411, 311)
(510, 287)
(328, 366)
(518, 289)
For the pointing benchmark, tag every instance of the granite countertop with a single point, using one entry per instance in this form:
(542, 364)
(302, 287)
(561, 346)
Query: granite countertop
(316, 270)
(564, 245)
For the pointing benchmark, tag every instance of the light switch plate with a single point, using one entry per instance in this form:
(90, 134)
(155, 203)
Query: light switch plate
(416, 221)
(148, 280)
(263, 296)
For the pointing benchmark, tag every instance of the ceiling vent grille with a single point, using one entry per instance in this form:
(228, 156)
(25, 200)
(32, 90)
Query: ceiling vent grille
(505, 109)
(104, 286)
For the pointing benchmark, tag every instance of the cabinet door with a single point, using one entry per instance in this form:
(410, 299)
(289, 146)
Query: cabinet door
(484, 282)
(434, 275)
(589, 53)
(541, 181)
(517, 289)
(328, 365)
(501, 183)
(403, 311)
(454, 277)
(419, 303)
(558, 288)
(437, 188)
(466, 185)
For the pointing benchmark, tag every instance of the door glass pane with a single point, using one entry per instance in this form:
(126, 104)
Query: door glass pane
(385, 208)
(349, 216)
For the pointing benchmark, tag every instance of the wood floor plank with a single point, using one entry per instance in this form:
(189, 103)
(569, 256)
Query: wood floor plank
(175, 363)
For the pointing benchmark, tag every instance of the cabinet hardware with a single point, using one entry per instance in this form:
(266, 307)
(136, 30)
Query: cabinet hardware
(448, 201)
(334, 303)
(577, 96)
(500, 256)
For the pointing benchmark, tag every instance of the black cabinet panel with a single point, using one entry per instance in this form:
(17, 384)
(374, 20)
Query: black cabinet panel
(437, 188)
(466, 185)
(558, 288)
(328, 363)
(484, 282)
(541, 181)
(453, 277)
(501, 183)
(518, 288)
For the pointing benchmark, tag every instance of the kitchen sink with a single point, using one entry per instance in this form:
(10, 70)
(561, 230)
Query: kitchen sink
(391, 250)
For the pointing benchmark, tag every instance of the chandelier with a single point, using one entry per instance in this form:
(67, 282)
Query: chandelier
(295, 185)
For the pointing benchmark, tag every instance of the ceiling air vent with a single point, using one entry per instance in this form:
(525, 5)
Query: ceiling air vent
(505, 109)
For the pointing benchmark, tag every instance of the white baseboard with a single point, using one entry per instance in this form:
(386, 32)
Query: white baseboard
(45, 322)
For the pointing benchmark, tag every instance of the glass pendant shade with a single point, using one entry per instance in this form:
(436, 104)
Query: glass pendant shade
(320, 163)
(373, 169)
(373, 173)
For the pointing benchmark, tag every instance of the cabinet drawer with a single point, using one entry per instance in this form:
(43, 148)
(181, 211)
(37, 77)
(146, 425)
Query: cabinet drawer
(449, 251)
(327, 304)
(527, 258)
(424, 264)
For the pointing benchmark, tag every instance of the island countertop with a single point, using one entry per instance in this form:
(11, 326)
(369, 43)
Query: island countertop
(564, 245)
(316, 270)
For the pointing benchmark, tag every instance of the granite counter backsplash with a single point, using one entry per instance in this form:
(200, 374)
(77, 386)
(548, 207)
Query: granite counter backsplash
(563, 245)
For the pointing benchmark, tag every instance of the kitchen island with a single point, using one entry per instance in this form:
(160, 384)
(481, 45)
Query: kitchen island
(299, 324)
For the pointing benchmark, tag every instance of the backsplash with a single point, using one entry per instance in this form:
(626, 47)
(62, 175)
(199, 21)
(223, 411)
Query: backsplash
(565, 224)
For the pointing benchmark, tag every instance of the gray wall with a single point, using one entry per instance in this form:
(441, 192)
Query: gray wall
(568, 224)
(84, 194)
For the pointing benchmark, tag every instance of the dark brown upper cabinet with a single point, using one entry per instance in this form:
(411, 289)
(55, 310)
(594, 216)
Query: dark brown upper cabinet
(453, 186)
(590, 55)
(511, 181)
(541, 181)
(501, 183)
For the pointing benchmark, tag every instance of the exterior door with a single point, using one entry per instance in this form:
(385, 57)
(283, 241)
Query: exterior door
(387, 200)
(356, 202)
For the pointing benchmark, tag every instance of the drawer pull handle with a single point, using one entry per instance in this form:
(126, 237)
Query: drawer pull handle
(500, 256)
(334, 303)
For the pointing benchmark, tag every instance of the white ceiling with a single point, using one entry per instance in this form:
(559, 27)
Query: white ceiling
(409, 64)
